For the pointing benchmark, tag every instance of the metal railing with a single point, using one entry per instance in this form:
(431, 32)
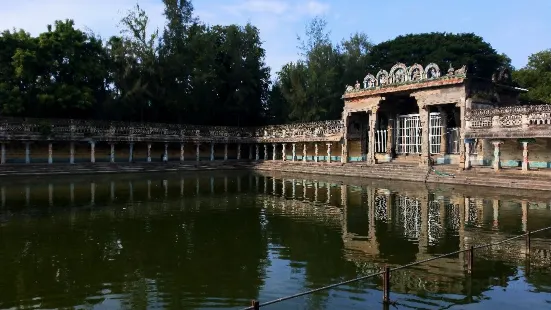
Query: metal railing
(255, 304)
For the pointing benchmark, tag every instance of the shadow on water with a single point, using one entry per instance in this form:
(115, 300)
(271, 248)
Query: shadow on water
(220, 239)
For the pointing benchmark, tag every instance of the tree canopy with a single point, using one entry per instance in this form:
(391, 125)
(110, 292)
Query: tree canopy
(190, 72)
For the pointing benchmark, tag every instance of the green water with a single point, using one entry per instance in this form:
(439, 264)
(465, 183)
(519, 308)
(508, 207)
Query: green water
(217, 240)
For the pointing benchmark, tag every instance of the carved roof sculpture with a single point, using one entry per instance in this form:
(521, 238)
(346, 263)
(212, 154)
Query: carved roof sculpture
(402, 74)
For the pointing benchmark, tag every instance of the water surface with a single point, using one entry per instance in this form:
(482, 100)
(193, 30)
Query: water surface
(217, 240)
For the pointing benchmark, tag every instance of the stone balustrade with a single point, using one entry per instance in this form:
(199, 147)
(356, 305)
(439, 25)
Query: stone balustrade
(32, 129)
(509, 122)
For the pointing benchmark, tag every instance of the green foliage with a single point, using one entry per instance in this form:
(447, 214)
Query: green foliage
(536, 76)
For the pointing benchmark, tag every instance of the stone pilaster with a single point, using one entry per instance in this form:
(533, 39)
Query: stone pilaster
(71, 152)
(372, 130)
(50, 153)
(212, 151)
(149, 152)
(444, 132)
(182, 154)
(284, 151)
(274, 151)
(294, 152)
(197, 152)
(304, 152)
(257, 154)
(265, 151)
(424, 118)
(467, 154)
(130, 152)
(112, 153)
(3, 153)
(346, 121)
(92, 151)
(525, 156)
(497, 155)
(316, 152)
(225, 151)
(328, 152)
(239, 151)
(390, 139)
(165, 155)
(27, 152)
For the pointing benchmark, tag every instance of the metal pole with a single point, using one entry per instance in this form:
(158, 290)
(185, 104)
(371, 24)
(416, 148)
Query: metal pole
(386, 285)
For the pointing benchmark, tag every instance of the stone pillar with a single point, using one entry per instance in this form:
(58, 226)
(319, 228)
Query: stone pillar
(304, 152)
(239, 151)
(165, 155)
(467, 154)
(71, 152)
(372, 129)
(251, 151)
(3, 153)
(149, 152)
(212, 151)
(257, 152)
(182, 158)
(424, 118)
(294, 157)
(390, 139)
(112, 155)
(328, 152)
(284, 151)
(444, 132)
(497, 157)
(346, 121)
(50, 153)
(525, 156)
(92, 151)
(27, 152)
(225, 151)
(197, 152)
(130, 152)
(274, 152)
(316, 152)
(265, 151)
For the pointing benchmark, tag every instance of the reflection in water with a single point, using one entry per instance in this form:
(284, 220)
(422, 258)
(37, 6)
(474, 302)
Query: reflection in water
(218, 240)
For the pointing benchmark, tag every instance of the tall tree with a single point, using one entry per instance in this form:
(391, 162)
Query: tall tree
(536, 76)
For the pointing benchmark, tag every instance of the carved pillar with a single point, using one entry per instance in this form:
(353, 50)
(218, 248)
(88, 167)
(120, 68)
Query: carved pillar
(444, 132)
(525, 156)
(130, 152)
(274, 151)
(265, 151)
(294, 152)
(71, 152)
(197, 151)
(3, 153)
(372, 129)
(284, 151)
(112, 154)
(165, 155)
(497, 153)
(212, 151)
(346, 121)
(50, 153)
(316, 152)
(390, 138)
(239, 151)
(225, 151)
(92, 151)
(257, 155)
(424, 118)
(304, 152)
(149, 152)
(182, 158)
(27, 152)
(467, 154)
(328, 152)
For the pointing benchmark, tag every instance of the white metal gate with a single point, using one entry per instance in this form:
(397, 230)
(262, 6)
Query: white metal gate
(435, 130)
(408, 138)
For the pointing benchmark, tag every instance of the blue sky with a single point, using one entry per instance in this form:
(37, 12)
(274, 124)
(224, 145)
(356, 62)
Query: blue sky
(517, 28)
